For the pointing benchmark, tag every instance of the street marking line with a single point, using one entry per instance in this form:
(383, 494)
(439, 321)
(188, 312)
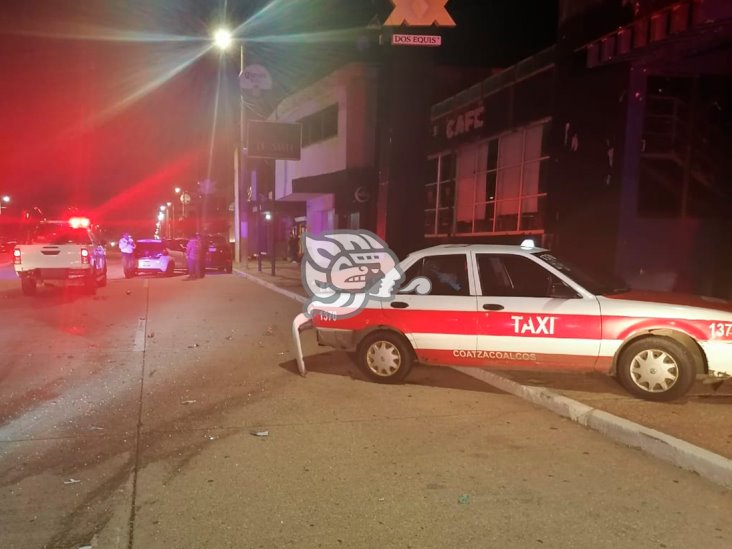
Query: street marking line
(139, 346)
(141, 331)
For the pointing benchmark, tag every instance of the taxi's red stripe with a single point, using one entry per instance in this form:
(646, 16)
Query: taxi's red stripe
(514, 324)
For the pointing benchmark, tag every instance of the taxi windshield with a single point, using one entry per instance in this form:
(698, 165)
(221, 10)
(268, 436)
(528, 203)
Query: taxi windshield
(593, 282)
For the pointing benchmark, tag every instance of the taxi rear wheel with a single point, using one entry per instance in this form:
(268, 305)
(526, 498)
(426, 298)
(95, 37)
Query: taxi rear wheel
(385, 357)
(656, 368)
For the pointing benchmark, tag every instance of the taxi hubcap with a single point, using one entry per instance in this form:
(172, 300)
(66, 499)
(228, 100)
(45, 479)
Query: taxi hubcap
(654, 371)
(383, 358)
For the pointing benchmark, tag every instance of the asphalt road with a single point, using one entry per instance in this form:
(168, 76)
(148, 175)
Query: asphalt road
(169, 413)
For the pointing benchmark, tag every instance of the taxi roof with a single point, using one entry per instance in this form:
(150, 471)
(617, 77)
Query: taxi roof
(442, 249)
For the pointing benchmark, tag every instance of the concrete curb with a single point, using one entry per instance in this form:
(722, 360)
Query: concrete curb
(271, 286)
(709, 465)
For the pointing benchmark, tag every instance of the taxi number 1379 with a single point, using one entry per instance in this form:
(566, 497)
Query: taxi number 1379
(720, 329)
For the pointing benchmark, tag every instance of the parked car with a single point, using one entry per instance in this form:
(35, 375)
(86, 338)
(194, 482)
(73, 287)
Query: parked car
(159, 257)
(522, 307)
(218, 253)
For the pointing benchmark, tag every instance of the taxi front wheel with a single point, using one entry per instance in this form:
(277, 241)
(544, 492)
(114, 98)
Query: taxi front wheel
(385, 357)
(656, 368)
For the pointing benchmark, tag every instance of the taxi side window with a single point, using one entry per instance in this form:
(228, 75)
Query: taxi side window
(513, 275)
(448, 274)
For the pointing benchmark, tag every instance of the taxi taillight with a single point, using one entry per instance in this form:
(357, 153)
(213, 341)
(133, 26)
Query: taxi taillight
(84, 256)
(16, 256)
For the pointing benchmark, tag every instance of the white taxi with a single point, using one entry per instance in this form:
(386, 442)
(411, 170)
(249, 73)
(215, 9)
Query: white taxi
(522, 307)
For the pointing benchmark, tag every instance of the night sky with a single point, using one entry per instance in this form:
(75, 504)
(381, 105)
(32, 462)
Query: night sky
(108, 104)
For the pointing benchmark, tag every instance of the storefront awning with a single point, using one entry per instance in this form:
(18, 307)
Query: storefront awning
(349, 186)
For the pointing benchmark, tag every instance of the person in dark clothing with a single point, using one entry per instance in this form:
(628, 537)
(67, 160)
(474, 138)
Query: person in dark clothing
(294, 247)
(193, 247)
(202, 249)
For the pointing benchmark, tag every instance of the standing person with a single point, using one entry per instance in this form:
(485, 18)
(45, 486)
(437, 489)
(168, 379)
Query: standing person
(193, 247)
(127, 248)
(294, 246)
(202, 249)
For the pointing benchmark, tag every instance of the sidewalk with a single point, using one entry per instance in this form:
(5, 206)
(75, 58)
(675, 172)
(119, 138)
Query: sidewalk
(287, 275)
(594, 411)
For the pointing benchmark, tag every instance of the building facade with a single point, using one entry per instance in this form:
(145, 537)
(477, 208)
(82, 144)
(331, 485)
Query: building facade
(334, 180)
(610, 147)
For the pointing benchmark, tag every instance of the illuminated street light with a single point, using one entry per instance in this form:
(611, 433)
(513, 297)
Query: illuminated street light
(163, 208)
(5, 200)
(223, 39)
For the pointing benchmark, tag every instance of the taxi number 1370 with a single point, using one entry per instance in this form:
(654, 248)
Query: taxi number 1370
(720, 329)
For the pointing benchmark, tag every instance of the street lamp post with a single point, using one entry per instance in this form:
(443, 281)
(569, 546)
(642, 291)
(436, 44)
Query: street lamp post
(171, 221)
(223, 40)
(164, 216)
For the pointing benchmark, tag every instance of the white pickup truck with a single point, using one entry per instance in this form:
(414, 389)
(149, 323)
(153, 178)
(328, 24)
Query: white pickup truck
(66, 252)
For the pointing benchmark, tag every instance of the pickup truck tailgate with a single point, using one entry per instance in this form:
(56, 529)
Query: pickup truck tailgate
(50, 256)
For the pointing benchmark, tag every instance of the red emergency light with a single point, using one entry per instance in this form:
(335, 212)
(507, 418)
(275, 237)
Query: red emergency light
(79, 222)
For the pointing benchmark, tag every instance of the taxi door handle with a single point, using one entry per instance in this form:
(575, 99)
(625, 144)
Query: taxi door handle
(493, 307)
(399, 304)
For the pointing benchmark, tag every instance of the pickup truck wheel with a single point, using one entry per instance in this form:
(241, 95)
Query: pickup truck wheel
(90, 284)
(656, 368)
(102, 282)
(28, 285)
(385, 357)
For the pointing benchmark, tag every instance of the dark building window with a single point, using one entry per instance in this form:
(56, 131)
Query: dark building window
(440, 194)
(320, 126)
(501, 183)
(681, 157)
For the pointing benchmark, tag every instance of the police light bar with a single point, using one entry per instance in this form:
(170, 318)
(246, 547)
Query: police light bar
(79, 222)
(528, 243)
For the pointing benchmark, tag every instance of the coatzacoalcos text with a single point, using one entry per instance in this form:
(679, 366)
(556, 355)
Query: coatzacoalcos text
(493, 355)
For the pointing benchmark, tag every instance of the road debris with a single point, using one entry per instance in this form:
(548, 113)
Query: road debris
(188, 402)
(151, 335)
(193, 346)
(72, 481)
(269, 331)
(261, 434)
(95, 428)
(463, 499)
